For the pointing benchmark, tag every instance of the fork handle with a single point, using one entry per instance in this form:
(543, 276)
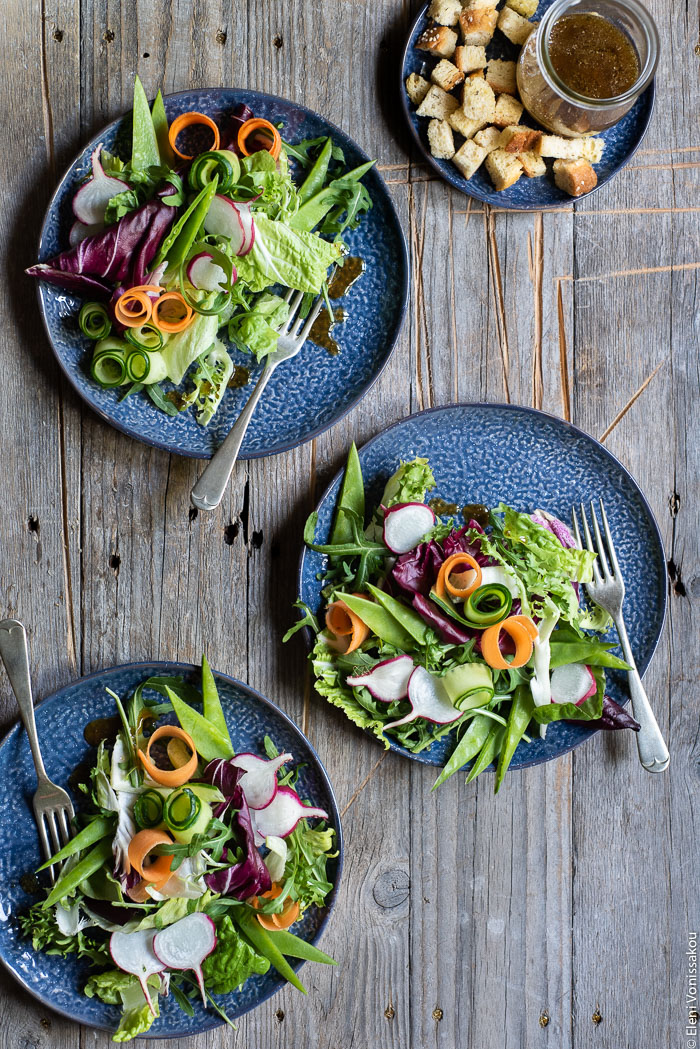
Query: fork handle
(653, 752)
(209, 489)
(15, 656)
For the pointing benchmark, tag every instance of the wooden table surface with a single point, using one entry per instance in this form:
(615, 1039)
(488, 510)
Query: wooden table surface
(558, 913)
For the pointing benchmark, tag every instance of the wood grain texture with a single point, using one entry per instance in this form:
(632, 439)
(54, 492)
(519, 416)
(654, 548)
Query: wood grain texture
(558, 913)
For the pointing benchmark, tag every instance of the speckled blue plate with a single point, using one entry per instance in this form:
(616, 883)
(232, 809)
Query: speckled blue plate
(621, 141)
(57, 982)
(312, 391)
(488, 453)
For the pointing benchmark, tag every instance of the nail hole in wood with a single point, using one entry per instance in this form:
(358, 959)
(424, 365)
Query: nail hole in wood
(278, 42)
(115, 563)
(146, 54)
(221, 37)
(193, 513)
(544, 1019)
(279, 1016)
(677, 584)
(256, 540)
(230, 533)
(597, 1018)
(45, 1023)
(437, 1015)
(33, 523)
(57, 34)
(389, 1012)
(108, 36)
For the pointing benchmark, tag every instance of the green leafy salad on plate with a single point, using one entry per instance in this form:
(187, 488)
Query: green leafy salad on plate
(474, 632)
(197, 235)
(189, 865)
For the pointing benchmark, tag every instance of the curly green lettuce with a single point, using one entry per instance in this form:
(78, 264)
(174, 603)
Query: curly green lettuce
(119, 988)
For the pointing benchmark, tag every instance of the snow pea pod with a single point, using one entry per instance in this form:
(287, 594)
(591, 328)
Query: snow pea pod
(95, 831)
(409, 620)
(352, 498)
(184, 233)
(294, 947)
(89, 864)
(518, 720)
(380, 622)
(470, 744)
(263, 943)
(488, 752)
(317, 207)
(317, 176)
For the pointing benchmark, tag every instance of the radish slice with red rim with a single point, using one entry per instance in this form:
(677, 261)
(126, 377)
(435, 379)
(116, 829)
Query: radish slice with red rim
(405, 525)
(429, 699)
(185, 944)
(204, 274)
(91, 200)
(259, 779)
(280, 817)
(133, 952)
(572, 683)
(226, 218)
(388, 680)
(79, 231)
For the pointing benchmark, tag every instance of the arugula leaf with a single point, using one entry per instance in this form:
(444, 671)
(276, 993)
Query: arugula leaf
(308, 619)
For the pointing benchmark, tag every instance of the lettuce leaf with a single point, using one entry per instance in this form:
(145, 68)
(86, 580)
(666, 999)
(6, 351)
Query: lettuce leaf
(258, 330)
(309, 849)
(282, 255)
(409, 484)
(119, 988)
(184, 347)
(233, 961)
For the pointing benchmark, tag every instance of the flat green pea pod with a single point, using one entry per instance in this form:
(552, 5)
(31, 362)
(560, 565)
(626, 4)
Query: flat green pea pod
(352, 498)
(317, 207)
(518, 720)
(379, 621)
(294, 947)
(263, 943)
(89, 864)
(470, 744)
(184, 233)
(100, 827)
(488, 752)
(407, 617)
(317, 176)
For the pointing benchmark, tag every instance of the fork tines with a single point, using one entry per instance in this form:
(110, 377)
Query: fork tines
(605, 550)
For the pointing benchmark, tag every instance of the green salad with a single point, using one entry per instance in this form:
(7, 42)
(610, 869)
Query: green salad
(473, 631)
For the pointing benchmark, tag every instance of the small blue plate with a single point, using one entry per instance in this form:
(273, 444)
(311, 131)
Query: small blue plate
(312, 391)
(488, 453)
(621, 141)
(57, 982)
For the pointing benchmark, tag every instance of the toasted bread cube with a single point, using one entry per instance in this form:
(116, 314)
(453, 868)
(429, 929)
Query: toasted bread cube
(519, 139)
(460, 122)
(489, 138)
(501, 77)
(517, 29)
(533, 164)
(469, 157)
(442, 144)
(590, 149)
(478, 24)
(437, 103)
(469, 58)
(478, 101)
(478, 74)
(439, 40)
(508, 111)
(446, 12)
(575, 177)
(526, 8)
(504, 168)
(417, 88)
(446, 76)
(473, 4)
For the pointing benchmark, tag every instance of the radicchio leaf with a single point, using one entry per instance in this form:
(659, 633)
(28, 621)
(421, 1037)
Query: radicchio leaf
(250, 877)
(416, 571)
(613, 717)
(450, 632)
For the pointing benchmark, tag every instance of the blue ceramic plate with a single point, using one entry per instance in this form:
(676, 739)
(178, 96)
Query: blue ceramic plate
(312, 391)
(488, 453)
(621, 141)
(57, 982)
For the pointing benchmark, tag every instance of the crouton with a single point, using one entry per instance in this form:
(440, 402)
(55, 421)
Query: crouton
(460, 122)
(478, 101)
(439, 40)
(446, 12)
(526, 8)
(442, 144)
(517, 29)
(469, 157)
(575, 177)
(417, 88)
(504, 168)
(473, 4)
(519, 139)
(590, 149)
(446, 76)
(478, 24)
(437, 103)
(501, 77)
(508, 111)
(489, 138)
(533, 164)
(469, 58)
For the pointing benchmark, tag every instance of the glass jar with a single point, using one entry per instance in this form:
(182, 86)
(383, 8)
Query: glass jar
(560, 108)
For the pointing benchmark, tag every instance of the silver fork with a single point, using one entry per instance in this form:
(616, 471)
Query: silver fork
(608, 590)
(209, 489)
(52, 806)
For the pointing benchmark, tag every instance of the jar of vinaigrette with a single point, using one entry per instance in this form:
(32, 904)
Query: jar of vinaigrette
(587, 64)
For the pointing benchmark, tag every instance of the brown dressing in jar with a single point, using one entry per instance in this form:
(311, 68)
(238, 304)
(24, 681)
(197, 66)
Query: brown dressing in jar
(592, 56)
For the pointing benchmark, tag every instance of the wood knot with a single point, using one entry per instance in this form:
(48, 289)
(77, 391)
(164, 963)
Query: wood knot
(544, 1019)
(108, 36)
(278, 42)
(437, 1015)
(390, 1012)
(391, 889)
(56, 33)
(597, 1018)
(221, 37)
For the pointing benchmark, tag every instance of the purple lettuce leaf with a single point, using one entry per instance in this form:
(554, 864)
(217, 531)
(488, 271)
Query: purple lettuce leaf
(416, 571)
(613, 717)
(457, 542)
(250, 876)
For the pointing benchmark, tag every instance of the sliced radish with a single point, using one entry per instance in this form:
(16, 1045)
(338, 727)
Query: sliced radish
(276, 859)
(79, 231)
(133, 952)
(92, 198)
(226, 218)
(259, 779)
(185, 944)
(204, 274)
(387, 681)
(280, 817)
(572, 684)
(428, 698)
(405, 525)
